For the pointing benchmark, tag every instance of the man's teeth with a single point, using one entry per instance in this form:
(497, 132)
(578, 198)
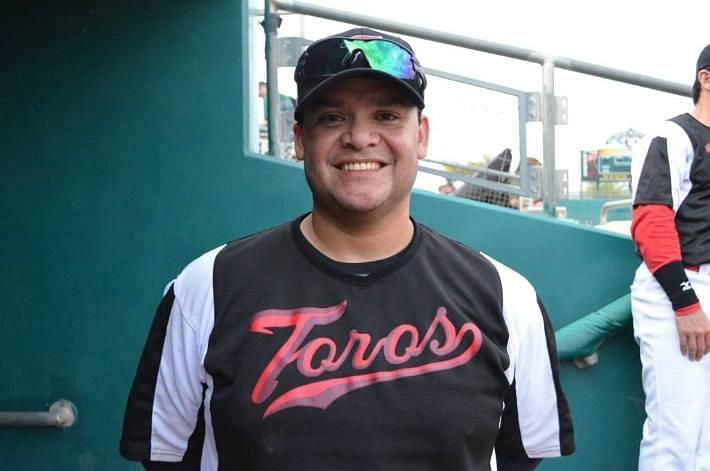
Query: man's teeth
(360, 166)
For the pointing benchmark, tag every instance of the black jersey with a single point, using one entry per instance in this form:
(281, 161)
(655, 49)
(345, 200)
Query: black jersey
(672, 168)
(264, 356)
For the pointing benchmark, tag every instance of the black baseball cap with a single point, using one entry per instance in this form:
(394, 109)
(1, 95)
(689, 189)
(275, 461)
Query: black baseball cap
(703, 63)
(703, 60)
(358, 52)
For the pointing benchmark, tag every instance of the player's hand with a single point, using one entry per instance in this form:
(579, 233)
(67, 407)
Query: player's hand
(694, 334)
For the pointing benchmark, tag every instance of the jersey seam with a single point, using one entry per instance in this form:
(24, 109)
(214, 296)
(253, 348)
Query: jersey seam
(184, 317)
(202, 348)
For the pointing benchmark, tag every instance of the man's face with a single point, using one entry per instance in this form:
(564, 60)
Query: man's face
(360, 143)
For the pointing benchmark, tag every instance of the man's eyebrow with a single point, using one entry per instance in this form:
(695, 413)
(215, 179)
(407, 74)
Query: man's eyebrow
(325, 103)
(393, 101)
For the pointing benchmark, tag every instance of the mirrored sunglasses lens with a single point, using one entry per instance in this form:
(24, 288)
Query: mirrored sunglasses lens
(384, 56)
(330, 57)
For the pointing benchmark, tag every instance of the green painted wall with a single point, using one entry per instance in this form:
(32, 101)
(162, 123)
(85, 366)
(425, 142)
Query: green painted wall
(122, 158)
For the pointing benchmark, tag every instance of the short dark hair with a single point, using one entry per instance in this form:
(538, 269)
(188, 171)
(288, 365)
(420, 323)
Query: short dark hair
(696, 91)
(703, 64)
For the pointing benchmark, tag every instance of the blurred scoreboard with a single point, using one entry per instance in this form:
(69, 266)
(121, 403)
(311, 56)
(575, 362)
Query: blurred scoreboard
(606, 165)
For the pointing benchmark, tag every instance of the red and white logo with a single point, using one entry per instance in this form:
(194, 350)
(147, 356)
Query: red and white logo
(707, 148)
(357, 351)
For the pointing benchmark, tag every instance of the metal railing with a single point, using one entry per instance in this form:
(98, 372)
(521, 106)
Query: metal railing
(466, 42)
(609, 205)
(61, 414)
(523, 117)
(548, 63)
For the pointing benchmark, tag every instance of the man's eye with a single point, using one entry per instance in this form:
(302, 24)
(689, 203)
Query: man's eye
(329, 118)
(387, 116)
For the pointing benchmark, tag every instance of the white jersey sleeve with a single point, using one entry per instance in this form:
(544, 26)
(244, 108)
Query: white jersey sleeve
(168, 393)
(536, 416)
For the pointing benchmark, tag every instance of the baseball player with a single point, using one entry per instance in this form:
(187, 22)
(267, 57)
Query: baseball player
(352, 337)
(671, 230)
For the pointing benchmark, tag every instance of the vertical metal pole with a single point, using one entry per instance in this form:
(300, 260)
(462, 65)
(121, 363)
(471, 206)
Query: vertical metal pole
(549, 190)
(522, 137)
(582, 164)
(271, 26)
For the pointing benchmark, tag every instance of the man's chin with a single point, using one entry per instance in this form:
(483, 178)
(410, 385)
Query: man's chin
(368, 207)
(350, 207)
(359, 207)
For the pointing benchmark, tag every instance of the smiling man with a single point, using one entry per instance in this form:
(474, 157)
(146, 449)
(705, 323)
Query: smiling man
(352, 337)
(360, 141)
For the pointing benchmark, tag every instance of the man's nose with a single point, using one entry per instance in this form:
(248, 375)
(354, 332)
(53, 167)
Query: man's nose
(360, 134)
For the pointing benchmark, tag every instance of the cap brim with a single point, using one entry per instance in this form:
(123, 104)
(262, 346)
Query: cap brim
(314, 92)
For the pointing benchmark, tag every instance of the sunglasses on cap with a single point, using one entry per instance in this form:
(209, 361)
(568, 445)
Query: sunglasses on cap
(335, 55)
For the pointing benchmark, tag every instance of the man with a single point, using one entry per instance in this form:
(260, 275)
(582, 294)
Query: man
(671, 229)
(353, 337)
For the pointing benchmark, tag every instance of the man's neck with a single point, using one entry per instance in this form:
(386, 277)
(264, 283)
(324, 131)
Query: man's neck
(363, 242)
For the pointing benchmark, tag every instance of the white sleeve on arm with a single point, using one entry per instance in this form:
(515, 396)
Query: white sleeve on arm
(167, 393)
(536, 421)
(178, 389)
(660, 167)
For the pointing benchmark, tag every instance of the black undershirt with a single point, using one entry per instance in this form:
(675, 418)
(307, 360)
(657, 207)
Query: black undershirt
(364, 269)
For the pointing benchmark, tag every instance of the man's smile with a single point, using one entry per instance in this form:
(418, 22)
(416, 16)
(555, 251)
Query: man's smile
(361, 166)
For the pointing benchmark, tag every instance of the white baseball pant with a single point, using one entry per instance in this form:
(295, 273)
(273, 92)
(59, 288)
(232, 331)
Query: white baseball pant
(676, 433)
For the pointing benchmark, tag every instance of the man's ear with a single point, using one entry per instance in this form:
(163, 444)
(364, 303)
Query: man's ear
(704, 79)
(298, 140)
(423, 138)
